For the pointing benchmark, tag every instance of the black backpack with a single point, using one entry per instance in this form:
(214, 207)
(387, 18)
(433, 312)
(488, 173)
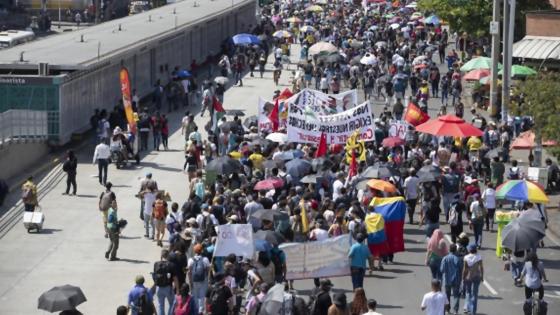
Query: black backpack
(162, 274)
(359, 227)
(207, 227)
(144, 306)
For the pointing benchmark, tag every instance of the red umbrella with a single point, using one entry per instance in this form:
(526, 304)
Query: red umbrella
(476, 75)
(270, 183)
(391, 142)
(526, 141)
(449, 125)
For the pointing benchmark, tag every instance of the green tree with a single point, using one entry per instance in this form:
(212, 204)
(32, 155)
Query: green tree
(474, 16)
(542, 102)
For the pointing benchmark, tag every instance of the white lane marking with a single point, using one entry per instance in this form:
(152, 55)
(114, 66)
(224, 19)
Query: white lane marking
(552, 296)
(556, 292)
(448, 238)
(489, 287)
(553, 238)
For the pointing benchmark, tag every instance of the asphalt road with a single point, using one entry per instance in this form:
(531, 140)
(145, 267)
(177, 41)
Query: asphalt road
(70, 249)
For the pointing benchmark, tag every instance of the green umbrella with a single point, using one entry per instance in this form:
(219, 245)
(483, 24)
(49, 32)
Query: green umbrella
(520, 71)
(478, 63)
(389, 15)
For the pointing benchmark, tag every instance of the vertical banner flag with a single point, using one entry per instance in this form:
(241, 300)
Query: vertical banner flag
(393, 210)
(273, 116)
(127, 99)
(414, 115)
(322, 148)
(304, 218)
(234, 238)
(355, 145)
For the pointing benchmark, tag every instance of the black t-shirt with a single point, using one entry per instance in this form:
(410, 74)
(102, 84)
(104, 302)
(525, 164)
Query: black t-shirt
(324, 301)
(266, 203)
(218, 297)
(179, 262)
(166, 271)
(432, 214)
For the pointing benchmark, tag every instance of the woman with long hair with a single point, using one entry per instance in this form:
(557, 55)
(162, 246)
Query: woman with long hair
(534, 274)
(359, 303)
(436, 250)
(184, 301)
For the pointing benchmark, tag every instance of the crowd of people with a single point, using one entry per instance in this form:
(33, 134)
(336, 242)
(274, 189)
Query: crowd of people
(445, 181)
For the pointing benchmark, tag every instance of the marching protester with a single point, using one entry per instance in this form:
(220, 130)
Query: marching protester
(69, 167)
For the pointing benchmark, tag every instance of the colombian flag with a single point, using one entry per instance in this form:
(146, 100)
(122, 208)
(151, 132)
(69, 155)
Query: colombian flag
(376, 237)
(393, 210)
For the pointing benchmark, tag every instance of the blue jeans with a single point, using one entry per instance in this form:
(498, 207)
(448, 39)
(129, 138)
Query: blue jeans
(453, 289)
(435, 263)
(164, 293)
(357, 277)
(157, 139)
(199, 294)
(148, 221)
(516, 268)
(471, 298)
(477, 230)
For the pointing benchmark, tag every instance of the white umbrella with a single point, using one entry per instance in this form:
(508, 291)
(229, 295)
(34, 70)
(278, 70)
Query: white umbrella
(418, 60)
(380, 44)
(405, 29)
(412, 5)
(307, 28)
(322, 47)
(273, 300)
(368, 59)
(373, 27)
(395, 26)
(399, 61)
(277, 137)
(221, 80)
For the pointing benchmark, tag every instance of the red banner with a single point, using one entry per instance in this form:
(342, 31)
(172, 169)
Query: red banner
(414, 115)
(127, 99)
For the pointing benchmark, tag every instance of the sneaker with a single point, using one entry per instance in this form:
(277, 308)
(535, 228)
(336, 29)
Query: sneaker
(106, 255)
(114, 259)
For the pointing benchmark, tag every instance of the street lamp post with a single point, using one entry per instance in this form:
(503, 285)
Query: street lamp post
(495, 32)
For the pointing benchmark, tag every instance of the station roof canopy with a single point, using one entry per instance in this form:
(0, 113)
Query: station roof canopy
(537, 47)
(66, 51)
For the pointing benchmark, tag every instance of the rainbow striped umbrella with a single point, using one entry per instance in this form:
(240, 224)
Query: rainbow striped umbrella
(522, 190)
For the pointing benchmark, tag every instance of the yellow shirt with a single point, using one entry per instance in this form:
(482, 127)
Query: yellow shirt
(474, 143)
(257, 160)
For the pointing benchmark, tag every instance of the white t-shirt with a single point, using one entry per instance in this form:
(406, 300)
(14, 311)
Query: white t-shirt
(372, 313)
(489, 196)
(411, 187)
(320, 234)
(149, 199)
(434, 302)
(337, 185)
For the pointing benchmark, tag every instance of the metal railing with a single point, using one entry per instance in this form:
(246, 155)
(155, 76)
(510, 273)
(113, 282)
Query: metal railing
(23, 125)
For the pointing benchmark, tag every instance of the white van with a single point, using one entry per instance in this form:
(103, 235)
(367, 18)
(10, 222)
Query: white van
(11, 38)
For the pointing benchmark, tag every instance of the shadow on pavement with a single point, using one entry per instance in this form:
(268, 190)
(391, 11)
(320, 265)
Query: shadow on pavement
(388, 306)
(159, 167)
(49, 231)
(378, 276)
(134, 261)
(86, 196)
(129, 237)
(407, 264)
(398, 270)
(416, 231)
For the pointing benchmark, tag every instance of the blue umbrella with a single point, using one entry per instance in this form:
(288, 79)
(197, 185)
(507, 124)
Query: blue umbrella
(246, 39)
(432, 19)
(183, 74)
(262, 245)
(298, 168)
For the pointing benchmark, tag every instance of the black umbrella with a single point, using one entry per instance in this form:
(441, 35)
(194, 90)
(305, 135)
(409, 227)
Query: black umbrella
(224, 165)
(227, 126)
(61, 298)
(274, 238)
(298, 168)
(524, 232)
(271, 164)
(379, 171)
(270, 215)
(330, 58)
(235, 112)
(425, 177)
(433, 170)
(497, 152)
(310, 179)
(251, 121)
(262, 142)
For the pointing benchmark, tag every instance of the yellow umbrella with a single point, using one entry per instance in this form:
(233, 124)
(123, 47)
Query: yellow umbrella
(235, 155)
(314, 8)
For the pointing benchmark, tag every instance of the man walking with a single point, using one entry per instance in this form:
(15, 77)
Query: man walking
(198, 268)
(322, 298)
(140, 298)
(359, 254)
(70, 166)
(473, 275)
(434, 302)
(451, 268)
(105, 201)
(146, 185)
(29, 195)
(411, 193)
(166, 282)
(101, 156)
(113, 230)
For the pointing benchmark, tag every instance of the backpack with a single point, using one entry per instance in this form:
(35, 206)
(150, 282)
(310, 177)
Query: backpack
(199, 271)
(217, 299)
(105, 200)
(359, 227)
(207, 227)
(183, 307)
(513, 173)
(199, 189)
(453, 216)
(161, 274)
(144, 306)
(313, 299)
(473, 272)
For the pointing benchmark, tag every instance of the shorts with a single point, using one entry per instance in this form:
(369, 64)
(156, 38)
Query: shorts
(104, 214)
(159, 224)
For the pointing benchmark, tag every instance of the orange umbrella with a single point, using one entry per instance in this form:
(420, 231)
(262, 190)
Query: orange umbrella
(526, 141)
(382, 185)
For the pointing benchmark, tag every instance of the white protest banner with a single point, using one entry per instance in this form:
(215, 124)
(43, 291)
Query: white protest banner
(325, 104)
(265, 108)
(305, 126)
(397, 128)
(328, 258)
(234, 238)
